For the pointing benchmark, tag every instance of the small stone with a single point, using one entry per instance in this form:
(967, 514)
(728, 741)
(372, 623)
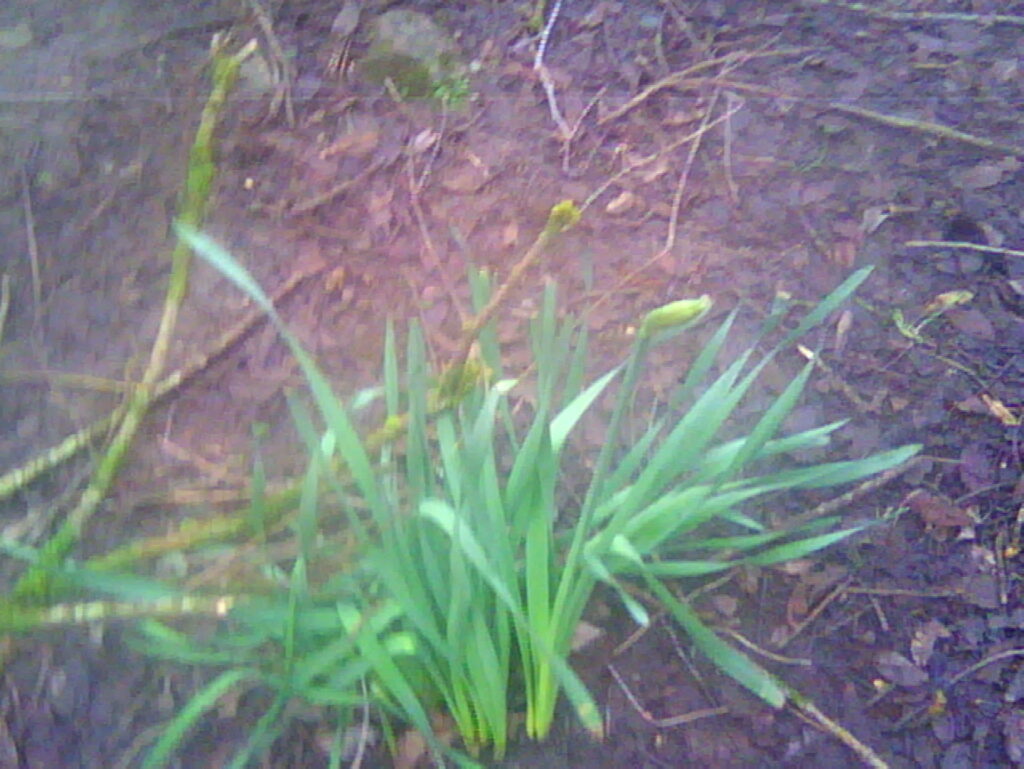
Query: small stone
(18, 36)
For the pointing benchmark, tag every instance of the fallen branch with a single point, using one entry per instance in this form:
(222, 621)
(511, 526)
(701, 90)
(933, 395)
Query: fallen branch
(688, 77)
(956, 244)
(975, 18)
(35, 583)
(13, 481)
(923, 126)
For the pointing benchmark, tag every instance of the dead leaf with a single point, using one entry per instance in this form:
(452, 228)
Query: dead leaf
(658, 169)
(1015, 689)
(975, 468)
(347, 20)
(379, 208)
(843, 326)
(897, 403)
(1004, 70)
(355, 144)
(843, 253)
(813, 584)
(981, 590)
(412, 746)
(972, 321)
(622, 203)
(899, 670)
(936, 510)
(972, 404)
(873, 218)
(922, 645)
(1013, 734)
(979, 177)
(815, 192)
(584, 634)
(601, 10)
(467, 178)
(726, 605)
(999, 410)
(423, 141)
(947, 301)
(1018, 494)
(510, 234)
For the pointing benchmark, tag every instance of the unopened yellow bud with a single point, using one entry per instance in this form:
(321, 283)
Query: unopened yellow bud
(674, 314)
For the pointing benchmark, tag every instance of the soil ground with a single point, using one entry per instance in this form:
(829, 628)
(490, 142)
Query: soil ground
(820, 154)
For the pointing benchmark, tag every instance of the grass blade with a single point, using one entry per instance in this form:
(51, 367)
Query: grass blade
(735, 664)
(186, 718)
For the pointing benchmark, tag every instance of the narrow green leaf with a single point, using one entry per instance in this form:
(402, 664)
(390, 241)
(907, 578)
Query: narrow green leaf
(701, 366)
(195, 709)
(263, 733)
(799, 549)
(349, 445)
(827, 305)
(732, 662)
(564, 422)
(769, 423)
(227, 265)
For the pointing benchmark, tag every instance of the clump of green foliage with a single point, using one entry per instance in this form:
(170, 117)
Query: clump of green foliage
(471, 573)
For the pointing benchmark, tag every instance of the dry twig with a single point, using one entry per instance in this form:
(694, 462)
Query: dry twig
(881, 13)
(284, 72)
(670, 721)
(961, 245)
(687, 78)
(545, 76)
(933, 129)
(33, 256)
(339, 189)
(20, 477)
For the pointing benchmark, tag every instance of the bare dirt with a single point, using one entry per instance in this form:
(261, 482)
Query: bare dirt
(733, 148)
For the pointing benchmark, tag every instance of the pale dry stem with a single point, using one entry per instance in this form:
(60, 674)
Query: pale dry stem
(283, 71)
(432, 260)
(669, 721)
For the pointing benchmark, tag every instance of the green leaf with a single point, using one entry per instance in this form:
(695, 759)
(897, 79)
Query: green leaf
(195, 709)
(732, 662)
(570, 415)
(827, 305)
(799, 549)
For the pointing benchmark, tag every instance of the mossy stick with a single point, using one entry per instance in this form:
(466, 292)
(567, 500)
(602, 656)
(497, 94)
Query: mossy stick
(20, 477)
(35, 583)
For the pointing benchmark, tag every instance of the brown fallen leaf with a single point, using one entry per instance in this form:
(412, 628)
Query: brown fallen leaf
(412, 746)
(976, 469)
(359, 143)
(623, 202)
(978, 177)
(1013, 735)
(726, 605)
(937, 510)
(584, 634)
(510, 234)
(467, 178)
(922, 645)
(981, 590)
(843, 253)
(972, 404)
(899, 670)
(973, 322)
(999, 410)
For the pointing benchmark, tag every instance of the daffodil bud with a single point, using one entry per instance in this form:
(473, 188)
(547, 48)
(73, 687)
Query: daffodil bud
(674, 314)
(563, 216)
